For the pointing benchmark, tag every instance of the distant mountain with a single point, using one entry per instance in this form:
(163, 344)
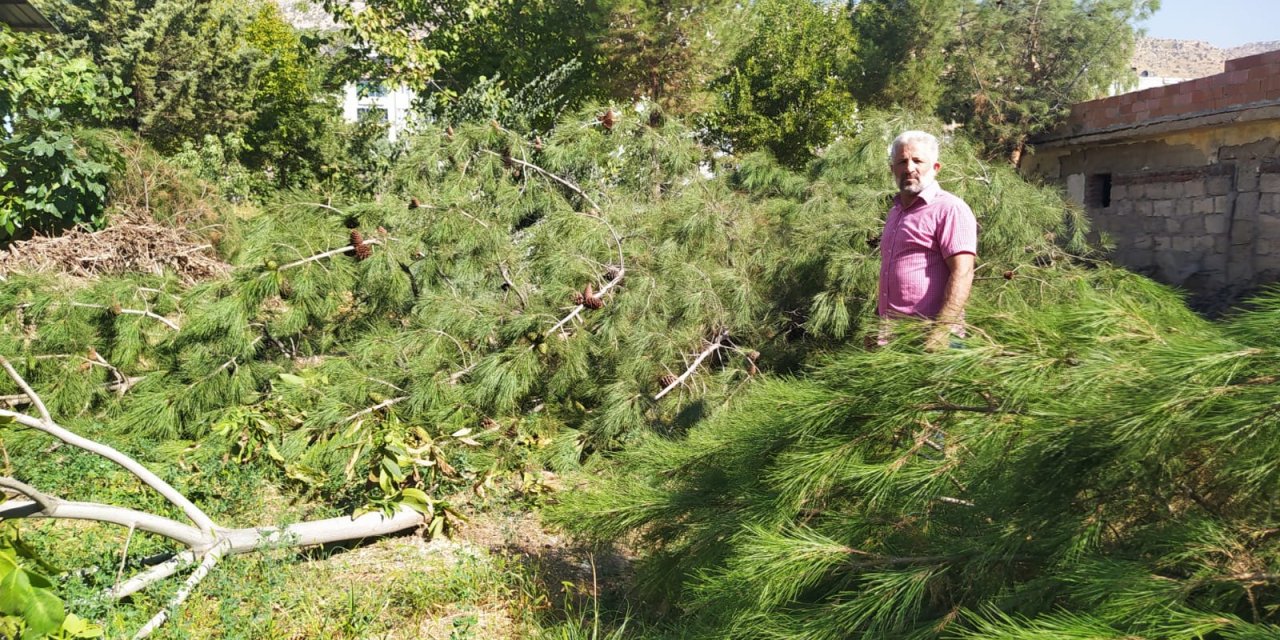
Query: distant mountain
(1188, 59)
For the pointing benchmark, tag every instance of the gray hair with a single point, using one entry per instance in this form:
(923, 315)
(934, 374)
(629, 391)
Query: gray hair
(914, 137)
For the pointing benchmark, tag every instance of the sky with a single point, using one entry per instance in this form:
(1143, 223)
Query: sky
(1222, 23)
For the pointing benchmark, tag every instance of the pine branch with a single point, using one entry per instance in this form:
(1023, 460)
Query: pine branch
(26, 388)
(136, 312)
(529, 165)
(595, 207)
(326, 254)
(711, 348)
(506, 277)
(578, 309)
(120, 387)
(381, 405)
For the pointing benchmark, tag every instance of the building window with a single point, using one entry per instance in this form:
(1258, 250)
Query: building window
(371, 89)
(376, 114)
(1098, 190)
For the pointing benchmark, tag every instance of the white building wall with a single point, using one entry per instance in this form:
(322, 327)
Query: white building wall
(396, 104)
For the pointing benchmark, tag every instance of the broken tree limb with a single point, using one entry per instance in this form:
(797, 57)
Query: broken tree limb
(325, 254)
(381, 405)
(206, 542)
(206, 565)
(53, 508)
(711, 348)
(617, 278)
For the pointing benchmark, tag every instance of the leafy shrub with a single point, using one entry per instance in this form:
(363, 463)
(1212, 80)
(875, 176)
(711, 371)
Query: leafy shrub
(50, 176)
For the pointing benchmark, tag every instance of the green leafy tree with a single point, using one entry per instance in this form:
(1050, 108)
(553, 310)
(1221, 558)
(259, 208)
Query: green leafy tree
(787, 89)
(294, 137)
(1053, 53)
(543, 47)
(187, 65)
(904, 51)
(944, 56)
(50, 176)
(407, 41)
(666, 51)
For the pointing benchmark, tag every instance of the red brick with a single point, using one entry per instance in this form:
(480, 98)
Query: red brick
(1253, 60)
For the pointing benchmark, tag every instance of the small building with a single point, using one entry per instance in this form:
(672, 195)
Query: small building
(392, 106)
(1183, 180)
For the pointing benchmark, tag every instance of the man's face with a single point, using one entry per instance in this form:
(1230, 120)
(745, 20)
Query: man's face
(914, 168)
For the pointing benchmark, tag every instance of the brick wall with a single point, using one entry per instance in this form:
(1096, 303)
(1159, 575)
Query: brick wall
(1247, 80)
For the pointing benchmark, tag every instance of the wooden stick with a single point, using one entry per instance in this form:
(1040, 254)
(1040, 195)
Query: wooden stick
(715, 345)
(207, 564)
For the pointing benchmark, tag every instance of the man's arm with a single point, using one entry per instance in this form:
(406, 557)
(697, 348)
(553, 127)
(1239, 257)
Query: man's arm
(956, 295)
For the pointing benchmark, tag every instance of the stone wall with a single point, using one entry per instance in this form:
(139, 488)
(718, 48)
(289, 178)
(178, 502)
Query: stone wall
(1213, 229)
(1183, 181)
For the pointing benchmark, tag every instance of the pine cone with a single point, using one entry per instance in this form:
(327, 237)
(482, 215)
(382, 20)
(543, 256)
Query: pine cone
(577, 297)
(608, 119)
(537, 143)
(667, 380)
(448, 132)
(590, 300)
(414, 204)
(753, 355)
(357, 241)
(1008, 275)
(507, 160)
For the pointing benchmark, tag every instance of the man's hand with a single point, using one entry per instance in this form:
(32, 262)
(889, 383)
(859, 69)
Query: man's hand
(939, 338)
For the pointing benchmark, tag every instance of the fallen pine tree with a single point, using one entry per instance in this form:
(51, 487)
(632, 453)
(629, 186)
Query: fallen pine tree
(1095, 462)
(511, 304)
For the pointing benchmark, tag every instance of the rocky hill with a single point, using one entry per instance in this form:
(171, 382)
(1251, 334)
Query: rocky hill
(1189, 58)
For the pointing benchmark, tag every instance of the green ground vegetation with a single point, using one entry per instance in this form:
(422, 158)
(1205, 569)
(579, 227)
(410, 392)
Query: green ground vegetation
(625, 282)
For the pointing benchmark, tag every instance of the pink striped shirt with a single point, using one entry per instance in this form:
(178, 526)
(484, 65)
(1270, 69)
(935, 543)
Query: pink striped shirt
(914, 248)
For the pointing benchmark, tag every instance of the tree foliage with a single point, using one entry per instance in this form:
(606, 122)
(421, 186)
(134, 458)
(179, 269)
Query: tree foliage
(1061, 52)
(1097, 461)
(904, 47)
(943, 56)
(50, 175)
(787, 89)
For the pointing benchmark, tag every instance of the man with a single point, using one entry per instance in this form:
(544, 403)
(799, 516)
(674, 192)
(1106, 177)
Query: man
(929, 244)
